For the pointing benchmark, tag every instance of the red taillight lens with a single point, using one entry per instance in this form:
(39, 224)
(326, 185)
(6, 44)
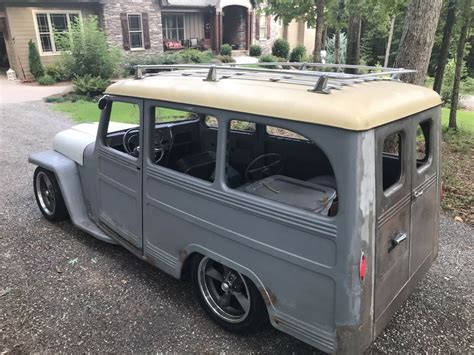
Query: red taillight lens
(362, 267)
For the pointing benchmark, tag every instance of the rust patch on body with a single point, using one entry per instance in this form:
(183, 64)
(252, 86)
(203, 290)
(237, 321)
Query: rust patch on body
(183, 255)
(268, 296)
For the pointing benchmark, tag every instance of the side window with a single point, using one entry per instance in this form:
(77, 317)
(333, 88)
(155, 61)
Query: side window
(392, 160)
(211, 122)
(184, 142)
(123, 128)
(236, 125)
(423, 143)
(280, 167)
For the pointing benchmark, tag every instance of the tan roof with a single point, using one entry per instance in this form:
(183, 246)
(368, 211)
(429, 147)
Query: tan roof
(357, 107)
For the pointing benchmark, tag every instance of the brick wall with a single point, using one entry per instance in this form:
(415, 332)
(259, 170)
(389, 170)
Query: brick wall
(111, 22)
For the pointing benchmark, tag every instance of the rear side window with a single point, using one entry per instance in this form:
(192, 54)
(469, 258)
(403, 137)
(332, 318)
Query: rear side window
(392, 160)
(423, 133)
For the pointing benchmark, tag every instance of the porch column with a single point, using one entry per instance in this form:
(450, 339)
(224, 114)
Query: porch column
(217, 31)
(249, 28)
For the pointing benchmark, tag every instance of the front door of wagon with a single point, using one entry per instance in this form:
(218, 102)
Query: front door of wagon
(119, 162)
(425, 200)
(393, 216)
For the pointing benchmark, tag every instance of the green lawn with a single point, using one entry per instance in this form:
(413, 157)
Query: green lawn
(87, 111)
(465, 119)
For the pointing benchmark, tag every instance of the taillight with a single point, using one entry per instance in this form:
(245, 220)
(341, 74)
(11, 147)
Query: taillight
(362, 267)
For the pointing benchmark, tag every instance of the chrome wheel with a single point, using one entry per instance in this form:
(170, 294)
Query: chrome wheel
(225, 291)
(45, 193)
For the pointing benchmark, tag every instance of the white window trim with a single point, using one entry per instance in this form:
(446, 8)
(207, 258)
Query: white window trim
(135, 31)
(51, 36)
(174, 14)
(264, 35)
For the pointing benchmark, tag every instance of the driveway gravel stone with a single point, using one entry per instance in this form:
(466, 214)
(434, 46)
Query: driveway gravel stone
(62, 290)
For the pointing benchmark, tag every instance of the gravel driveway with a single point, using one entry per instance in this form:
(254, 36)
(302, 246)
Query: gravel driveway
(63, 290)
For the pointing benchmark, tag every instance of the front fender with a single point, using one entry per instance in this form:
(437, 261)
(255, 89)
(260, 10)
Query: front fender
(67, 175)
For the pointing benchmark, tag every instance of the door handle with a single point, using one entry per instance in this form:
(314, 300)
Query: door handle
(417, 194)
(399, 238)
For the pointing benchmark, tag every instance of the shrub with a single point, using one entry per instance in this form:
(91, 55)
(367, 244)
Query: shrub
(226, 49)
(90, 86)
(195, 56)
(298, 53)
(46, 79)
(89, 51)
(225, 59)
(330, 48)
(60, 70)
(255, 50)
(268, 58)
(34, 61)
(281, 48)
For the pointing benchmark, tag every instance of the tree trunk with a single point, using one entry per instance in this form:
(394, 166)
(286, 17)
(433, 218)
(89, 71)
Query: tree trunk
(337, 45)
(443, 55)
(318, 40)
(353, 41)
(417, 39)
(389, 41)
(459, 64)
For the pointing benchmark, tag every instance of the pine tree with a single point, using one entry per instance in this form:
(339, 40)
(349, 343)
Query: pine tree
(34, 61)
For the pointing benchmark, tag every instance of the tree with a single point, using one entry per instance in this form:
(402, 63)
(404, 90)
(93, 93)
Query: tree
(466, 22)
(318, 39)
(354, 24)
(303, 10)
(34, 61)
(417, 39)
(443, 55)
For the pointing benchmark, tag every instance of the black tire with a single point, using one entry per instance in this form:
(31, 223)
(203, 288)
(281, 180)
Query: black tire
(256, 317)
(48, 195)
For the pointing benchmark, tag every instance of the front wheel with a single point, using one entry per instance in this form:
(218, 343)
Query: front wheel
(230, 298)
(48, 195)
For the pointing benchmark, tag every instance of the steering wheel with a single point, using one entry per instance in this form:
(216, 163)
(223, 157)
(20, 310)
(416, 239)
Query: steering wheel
(130, 141)
(273, 167)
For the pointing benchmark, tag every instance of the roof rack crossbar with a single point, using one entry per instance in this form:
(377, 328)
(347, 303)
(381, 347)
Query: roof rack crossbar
(320, 81)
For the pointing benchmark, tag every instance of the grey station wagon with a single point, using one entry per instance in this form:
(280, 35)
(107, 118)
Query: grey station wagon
(305, 199)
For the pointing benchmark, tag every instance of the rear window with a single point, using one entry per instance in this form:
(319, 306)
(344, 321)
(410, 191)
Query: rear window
(392, 160)
(423, 133)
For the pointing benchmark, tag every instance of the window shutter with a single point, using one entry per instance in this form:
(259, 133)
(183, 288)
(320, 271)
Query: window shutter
(146, 31)
(125, 34)
(269, 26)
(257, 27)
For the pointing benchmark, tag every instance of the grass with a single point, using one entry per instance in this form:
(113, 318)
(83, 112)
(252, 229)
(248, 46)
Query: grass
(465, 119)
(87, 111)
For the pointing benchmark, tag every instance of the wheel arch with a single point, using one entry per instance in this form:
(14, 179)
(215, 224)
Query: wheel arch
(188, 253)
(69, 182)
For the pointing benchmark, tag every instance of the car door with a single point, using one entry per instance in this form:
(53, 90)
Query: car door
(119, 172)
(393, 215)
(425, 199)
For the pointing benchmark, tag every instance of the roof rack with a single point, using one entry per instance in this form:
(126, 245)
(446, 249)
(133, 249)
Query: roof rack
(322, 78)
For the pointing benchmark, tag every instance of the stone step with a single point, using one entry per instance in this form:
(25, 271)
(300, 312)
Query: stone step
(239, 53)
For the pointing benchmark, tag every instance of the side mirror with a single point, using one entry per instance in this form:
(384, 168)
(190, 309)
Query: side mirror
(102, 102)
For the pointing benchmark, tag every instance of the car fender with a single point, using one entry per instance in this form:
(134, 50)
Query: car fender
(69, 182)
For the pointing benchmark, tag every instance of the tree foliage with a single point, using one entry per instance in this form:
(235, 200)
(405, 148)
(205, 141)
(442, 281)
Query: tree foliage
(34, 61)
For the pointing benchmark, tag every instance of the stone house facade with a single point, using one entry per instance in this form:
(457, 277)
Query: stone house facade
(139, 27)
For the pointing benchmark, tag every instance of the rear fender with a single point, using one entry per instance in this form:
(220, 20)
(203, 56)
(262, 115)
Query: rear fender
(67, 175)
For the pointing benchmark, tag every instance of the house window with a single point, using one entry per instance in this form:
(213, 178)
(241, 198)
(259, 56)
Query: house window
(173, 26)
(263, 26)
(135, 30)
(53, 30)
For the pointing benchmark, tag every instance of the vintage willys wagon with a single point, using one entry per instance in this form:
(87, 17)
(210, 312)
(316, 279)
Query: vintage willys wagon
(302, 198)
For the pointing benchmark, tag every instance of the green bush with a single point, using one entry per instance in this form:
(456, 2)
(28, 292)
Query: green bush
(34, 61)
(281, 48)
(46, 79)
(255, 50)
(195, 56)
(225, 59)
(268, 58)
(90, 86)
(89, 52)
(226, 49)
(61, 69)
(331, 46)
(298, 53)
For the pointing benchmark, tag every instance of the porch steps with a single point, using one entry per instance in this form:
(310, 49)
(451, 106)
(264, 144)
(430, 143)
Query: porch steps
(239, 53)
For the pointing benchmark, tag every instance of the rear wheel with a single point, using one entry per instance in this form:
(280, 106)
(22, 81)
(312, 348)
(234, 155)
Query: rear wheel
(48, 195)
(230, 298)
